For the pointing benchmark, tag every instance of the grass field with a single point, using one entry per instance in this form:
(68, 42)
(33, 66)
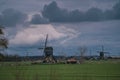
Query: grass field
(90, 70)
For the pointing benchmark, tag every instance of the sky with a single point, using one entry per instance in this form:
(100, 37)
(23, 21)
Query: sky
(70, 24)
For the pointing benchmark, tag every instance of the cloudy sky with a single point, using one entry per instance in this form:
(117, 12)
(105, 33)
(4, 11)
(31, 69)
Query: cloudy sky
(70, 24)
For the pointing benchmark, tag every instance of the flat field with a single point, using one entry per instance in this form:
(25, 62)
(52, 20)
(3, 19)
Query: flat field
(90, 70)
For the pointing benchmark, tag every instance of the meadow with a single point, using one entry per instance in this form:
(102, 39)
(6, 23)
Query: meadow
(90, 70)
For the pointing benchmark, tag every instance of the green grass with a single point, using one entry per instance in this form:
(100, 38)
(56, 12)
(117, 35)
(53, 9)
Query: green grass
(90, 70)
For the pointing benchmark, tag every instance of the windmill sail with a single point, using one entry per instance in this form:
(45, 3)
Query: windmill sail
(48, 52)
(46, 41)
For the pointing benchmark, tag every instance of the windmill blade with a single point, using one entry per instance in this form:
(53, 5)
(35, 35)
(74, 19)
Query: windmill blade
(106, 52)
(40, 48)
(43, 48)
(102, 48)
(46, 41)
(98, 51)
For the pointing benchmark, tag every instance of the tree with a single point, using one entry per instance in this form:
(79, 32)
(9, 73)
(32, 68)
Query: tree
(3, 43)
(82, 53)
(1, 57)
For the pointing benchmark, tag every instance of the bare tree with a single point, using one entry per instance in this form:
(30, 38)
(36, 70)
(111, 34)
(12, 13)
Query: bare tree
(82, 53)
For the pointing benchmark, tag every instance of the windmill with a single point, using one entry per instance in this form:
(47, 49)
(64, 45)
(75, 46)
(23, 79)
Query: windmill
(102, 53)
(48, 53)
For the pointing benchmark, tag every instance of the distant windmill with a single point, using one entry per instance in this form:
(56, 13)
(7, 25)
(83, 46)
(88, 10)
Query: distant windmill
(48, 53)
(102, 53)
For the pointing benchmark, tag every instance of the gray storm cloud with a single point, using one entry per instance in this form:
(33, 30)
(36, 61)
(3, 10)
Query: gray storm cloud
(11, 17)
(56, 14)
(53, 13)
(37, 19)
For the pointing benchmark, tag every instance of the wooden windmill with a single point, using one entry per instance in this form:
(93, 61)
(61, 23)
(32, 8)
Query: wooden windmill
(48, 53)
(102, 53)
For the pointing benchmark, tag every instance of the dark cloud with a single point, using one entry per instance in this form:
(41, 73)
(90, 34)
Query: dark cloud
(11, 17)
(53, 9)
(116, 10)
(2, 3)
(109, 15)
(53, 13)
(113, 13)
(57, 14)
(37, 19)
(37, 5)
(94, 14)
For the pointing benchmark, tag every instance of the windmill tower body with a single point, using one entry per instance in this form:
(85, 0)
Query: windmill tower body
(102, 53)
